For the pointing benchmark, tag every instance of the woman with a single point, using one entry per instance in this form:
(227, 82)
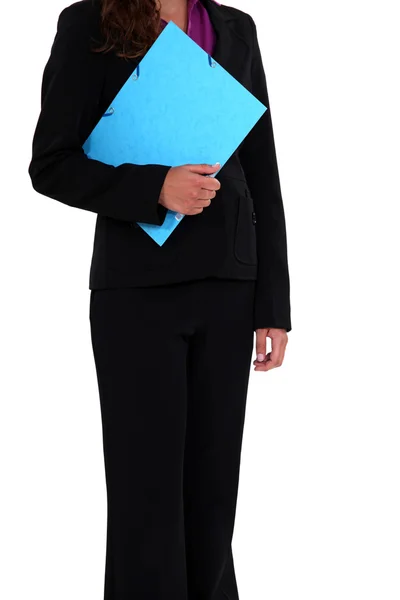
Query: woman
(172, 326)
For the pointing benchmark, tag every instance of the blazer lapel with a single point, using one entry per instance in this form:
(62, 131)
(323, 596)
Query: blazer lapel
(231, 50)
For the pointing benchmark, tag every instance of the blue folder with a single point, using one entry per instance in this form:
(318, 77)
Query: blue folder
(179, 106)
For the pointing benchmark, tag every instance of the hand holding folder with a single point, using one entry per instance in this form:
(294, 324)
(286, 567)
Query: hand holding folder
(178, 107)
(189, 188)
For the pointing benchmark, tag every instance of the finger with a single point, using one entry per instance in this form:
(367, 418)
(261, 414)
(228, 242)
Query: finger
(203, 169)
(261, 344)
(200, 182)
(206, 194)
(206, 205)
(195, 211)
(266, 365)
(209, 183)
(201, 203)
(262, 362)
(272, 362)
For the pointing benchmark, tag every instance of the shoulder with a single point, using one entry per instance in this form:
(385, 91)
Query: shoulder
(233, 12)
(242, 21)
(78, 30)
(82, 16)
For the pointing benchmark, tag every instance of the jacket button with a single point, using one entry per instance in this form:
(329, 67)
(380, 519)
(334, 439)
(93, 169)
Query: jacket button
(254, 218)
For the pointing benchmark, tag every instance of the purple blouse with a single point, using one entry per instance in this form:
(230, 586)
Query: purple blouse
(199, 27)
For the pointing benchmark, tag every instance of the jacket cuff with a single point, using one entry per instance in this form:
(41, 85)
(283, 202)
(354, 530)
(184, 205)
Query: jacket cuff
(145, 204)
(272, 311)
(161, 212)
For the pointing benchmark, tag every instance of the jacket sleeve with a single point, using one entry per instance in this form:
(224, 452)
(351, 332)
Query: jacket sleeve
(258, 159)
(59, 168)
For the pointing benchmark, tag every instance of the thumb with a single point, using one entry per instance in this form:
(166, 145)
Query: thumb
(261, 345)
(203, 168)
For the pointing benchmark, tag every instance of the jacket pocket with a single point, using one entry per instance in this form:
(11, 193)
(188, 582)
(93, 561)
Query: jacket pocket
(245, 246)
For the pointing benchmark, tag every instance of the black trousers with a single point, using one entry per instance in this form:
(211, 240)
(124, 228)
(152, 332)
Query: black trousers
(173, 364)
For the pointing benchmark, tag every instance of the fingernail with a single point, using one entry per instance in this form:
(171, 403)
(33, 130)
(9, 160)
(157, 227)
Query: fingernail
(260, 357)
(215, 164)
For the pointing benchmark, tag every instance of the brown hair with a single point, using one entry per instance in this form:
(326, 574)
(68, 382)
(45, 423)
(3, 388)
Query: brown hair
(129, 27)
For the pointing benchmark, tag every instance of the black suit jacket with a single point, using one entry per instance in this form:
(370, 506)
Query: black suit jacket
(240, 235)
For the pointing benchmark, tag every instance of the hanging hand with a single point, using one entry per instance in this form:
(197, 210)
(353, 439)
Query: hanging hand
(279, 339)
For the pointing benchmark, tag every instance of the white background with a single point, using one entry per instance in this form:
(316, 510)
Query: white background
(318, 511)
